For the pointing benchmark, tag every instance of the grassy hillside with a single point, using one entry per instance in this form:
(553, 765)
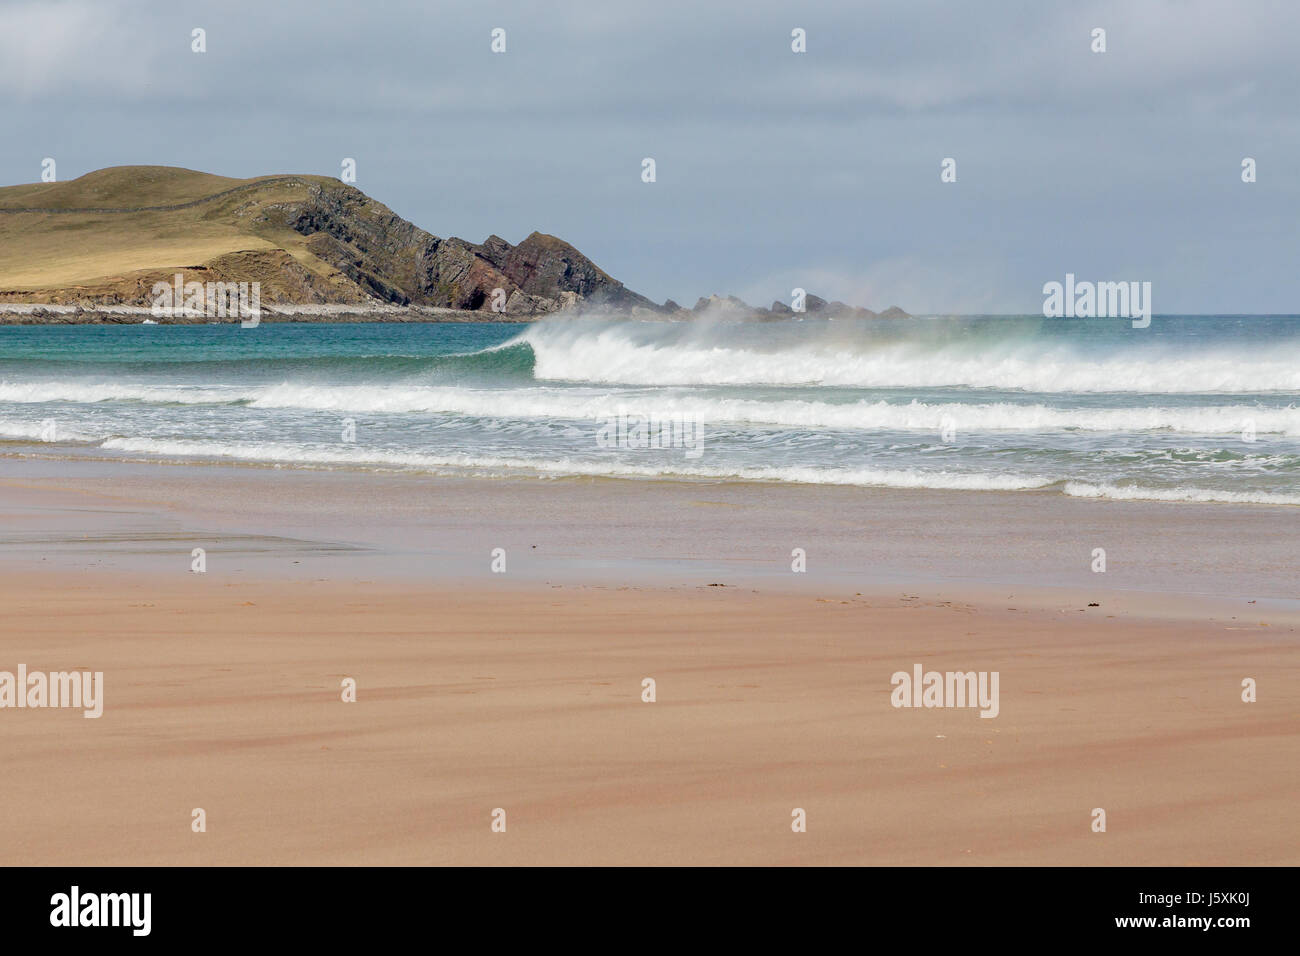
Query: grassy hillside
(101, 235)
(106, 238)
(120, 186)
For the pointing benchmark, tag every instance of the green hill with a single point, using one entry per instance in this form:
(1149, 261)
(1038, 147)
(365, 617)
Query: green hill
(107, 237)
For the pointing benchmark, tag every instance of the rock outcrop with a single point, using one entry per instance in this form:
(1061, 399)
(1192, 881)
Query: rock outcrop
(813, 305)
(399, 263)
(545, 267)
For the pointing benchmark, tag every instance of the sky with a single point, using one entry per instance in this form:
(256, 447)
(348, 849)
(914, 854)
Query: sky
(774, 169)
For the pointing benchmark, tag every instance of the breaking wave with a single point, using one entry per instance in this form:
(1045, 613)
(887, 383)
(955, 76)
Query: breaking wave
(1014, 356)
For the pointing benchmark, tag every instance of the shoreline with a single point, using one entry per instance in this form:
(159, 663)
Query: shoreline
(27, 314)
(661, 531)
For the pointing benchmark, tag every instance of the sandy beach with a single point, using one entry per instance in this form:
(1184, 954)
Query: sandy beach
(523, 690)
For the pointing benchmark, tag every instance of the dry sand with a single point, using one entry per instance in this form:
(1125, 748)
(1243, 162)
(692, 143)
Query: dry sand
(223, 691)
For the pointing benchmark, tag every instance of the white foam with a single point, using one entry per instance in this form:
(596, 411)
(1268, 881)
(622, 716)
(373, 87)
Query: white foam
(665, 465)
(1137, 493)
(671, 355)
(589, 404)
(557, 403)
(39, 431)
(28, 393)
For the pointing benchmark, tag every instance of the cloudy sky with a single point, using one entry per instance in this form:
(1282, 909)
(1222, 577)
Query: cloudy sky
(774, 169)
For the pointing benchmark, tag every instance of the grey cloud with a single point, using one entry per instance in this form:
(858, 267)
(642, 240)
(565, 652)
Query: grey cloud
(771, 164)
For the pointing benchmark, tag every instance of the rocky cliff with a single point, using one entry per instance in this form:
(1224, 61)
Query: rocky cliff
(106, 238)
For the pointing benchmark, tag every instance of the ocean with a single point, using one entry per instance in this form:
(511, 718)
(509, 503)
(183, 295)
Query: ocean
(1191, 409)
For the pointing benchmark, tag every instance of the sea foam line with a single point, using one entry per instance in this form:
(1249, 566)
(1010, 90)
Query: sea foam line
(1079, 489)
(560, 403)
(870, 478)
(274, 452)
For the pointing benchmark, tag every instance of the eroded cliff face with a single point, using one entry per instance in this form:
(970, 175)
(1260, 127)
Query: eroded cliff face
(397, 262)
(545, 266)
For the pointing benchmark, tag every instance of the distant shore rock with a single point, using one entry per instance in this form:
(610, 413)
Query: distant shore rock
(732, 307)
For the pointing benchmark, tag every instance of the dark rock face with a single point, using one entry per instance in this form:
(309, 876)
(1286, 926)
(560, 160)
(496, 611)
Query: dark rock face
(728, 306)
(732, 307)
(399, 263)
(816, 305)
(545, 266)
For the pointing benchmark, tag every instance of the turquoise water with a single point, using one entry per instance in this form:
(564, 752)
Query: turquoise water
(1194, 408)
